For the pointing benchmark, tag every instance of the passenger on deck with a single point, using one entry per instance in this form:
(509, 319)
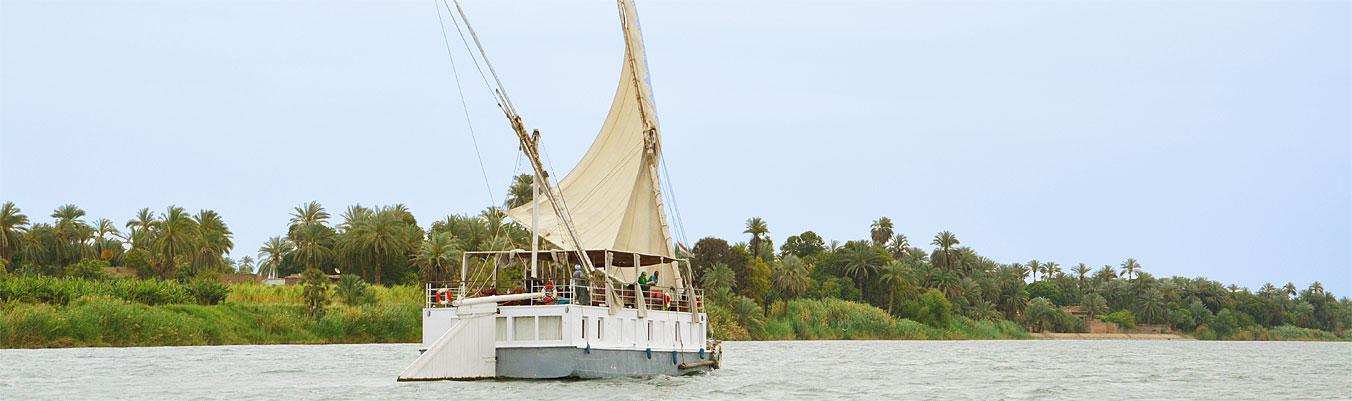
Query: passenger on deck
(643, 281)
(580, 287)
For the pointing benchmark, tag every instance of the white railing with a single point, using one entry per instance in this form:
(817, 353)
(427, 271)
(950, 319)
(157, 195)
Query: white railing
(442, 294)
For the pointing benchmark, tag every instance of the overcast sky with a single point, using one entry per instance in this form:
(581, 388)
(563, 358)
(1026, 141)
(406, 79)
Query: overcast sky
(1203, 139)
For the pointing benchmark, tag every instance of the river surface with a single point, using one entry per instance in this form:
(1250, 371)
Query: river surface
(1061, 369)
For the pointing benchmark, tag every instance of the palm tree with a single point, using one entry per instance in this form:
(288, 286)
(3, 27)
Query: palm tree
(945, 240)
(1107, 272)
(381, 236)
(178, 231)
(521, 191)
(860, 263)
(435, 256)
(310, 235)
(1094, 305)
(898, 246)
(102, 229)
(1081, 270)
(308, 214)
(1152, 307)
(312, 245)
(791, 277)
(1035, 267)
(748, 314)
(758, 229)
(138, 228)
(350, 254)
(896, 276)
(13, 223)
(1041, 314)
(215, 240)
(1130, 267)
(270, 256)
(1290, 289)
(881, 230)
(719, 276)
(948, 282)
(246, 265)
(68, 228)
(1051, 270)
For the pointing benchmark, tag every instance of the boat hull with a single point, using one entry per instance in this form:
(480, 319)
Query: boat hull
(571, 362)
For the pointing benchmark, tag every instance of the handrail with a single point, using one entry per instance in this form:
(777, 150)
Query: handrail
(654, 298)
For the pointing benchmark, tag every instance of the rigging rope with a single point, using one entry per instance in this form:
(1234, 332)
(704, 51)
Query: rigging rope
(671, 194)
(491, 91)
(465, 106)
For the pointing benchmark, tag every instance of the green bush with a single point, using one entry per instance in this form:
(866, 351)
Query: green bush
(1046, 289)
(723, 326)
(208, 292)
(55, 291)
(316, 291)
(351, 290)
(931, 308)
(1122, 318)
(89, 269)
(107, 321)
(834, 319)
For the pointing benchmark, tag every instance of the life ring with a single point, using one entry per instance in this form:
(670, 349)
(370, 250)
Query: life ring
(443, 296)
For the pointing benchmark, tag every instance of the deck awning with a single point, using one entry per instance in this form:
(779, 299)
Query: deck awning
(597, 256)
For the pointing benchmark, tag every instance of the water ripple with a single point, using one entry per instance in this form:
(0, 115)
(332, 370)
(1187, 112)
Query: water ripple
(809, 370)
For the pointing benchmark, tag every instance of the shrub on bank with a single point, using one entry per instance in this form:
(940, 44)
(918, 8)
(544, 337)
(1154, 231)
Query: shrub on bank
(56, 291)
(1122, 318)
(833, 319)
(107, 321)
(254, 293)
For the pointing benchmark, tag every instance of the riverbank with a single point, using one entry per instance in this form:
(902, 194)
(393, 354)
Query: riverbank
(54, 313)
(1111, 336)
(103, 321)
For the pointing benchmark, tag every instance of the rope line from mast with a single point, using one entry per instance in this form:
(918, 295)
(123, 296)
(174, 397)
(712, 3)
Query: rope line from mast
(529, 147)
(464, 105)
(482, 76)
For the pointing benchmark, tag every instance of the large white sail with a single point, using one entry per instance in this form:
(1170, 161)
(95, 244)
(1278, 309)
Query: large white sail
(613, 194)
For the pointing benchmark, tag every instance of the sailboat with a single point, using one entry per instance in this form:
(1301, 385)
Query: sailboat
(625, 304)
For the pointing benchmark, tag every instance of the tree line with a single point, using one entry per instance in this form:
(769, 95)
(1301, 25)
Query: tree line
(383, 244)
(888, 271)
(386, 244)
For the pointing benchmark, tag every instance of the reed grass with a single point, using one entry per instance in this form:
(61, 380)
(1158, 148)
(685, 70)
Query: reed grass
(101, 320)
(834, 319)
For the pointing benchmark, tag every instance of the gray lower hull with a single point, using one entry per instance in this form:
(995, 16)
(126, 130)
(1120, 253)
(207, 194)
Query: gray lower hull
(564, 362)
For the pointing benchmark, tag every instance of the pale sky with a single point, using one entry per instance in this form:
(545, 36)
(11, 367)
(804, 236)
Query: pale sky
(1201, 138)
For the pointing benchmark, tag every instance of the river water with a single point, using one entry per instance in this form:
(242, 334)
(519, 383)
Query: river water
(1061, 369)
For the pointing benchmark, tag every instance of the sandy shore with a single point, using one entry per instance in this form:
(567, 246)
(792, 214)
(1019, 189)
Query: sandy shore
(1113, 336)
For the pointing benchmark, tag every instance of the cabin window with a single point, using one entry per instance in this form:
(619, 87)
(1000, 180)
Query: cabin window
(523, 328)
(551, 327)
(584, 328)
(650, 331)
(502, 328)
(600, 328)
(677, 331)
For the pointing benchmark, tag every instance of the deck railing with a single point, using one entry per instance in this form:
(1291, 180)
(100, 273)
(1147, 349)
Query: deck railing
(441, 294)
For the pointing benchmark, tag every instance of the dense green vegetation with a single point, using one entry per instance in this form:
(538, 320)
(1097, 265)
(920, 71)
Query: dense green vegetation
(805, 288)
(760, 288)
(51, 312)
